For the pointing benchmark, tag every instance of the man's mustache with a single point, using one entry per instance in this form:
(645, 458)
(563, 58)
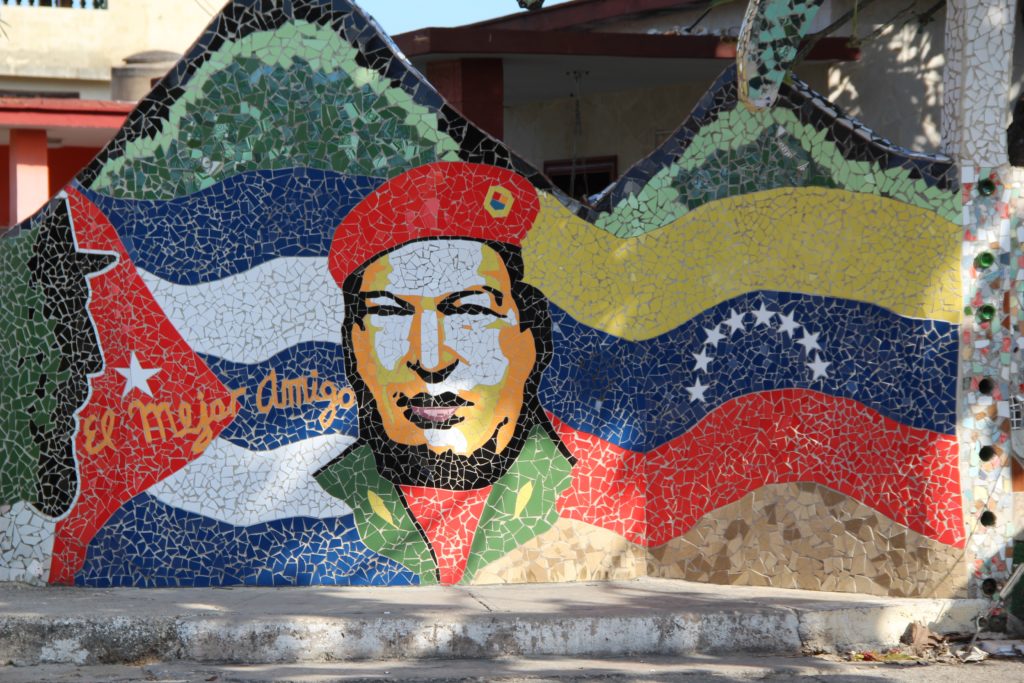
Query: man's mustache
(425, 400)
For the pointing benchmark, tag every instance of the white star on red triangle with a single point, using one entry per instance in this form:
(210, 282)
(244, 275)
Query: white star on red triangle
(136, 376)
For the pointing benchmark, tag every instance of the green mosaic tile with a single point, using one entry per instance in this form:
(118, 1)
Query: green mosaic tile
(29, 350)
(258, 104)
(727, 158)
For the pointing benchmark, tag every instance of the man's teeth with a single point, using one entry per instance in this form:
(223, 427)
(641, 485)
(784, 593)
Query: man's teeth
(434, 414)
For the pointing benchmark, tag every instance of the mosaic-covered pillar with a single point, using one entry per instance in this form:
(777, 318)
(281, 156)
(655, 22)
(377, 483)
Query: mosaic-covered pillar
(979, 49)
(769, 41)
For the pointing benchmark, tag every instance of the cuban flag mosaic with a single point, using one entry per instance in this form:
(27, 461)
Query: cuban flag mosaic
(301, 323)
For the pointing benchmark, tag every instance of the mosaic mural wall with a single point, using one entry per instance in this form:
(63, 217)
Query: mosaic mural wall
(301, 323)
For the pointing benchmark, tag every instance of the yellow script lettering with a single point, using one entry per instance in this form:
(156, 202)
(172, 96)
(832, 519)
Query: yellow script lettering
(106, 432)
(272, 393)
(160, 420)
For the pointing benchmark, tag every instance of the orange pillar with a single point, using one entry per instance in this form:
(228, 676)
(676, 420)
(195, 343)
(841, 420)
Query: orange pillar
(28, 173)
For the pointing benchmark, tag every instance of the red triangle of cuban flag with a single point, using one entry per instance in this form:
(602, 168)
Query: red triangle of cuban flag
(153, 408)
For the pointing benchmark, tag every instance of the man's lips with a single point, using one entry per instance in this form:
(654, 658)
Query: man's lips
(434, 412)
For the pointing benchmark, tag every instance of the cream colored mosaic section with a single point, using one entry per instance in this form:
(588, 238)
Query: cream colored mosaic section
(569, 551)
(811, 537)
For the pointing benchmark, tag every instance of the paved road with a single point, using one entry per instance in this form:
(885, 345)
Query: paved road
(647, 669)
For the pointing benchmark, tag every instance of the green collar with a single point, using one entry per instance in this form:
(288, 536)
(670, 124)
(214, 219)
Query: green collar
(521, 505)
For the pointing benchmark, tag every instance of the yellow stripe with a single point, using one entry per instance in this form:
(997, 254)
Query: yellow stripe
(809, 240)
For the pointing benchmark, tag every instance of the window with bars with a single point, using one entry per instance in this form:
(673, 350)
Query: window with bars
(70, 4)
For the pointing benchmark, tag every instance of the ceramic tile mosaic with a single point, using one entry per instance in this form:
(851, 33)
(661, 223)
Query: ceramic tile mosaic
(809, 536)
(768, 43)
(302, 323)
(990, 352)
(954, 42)
(980, 38)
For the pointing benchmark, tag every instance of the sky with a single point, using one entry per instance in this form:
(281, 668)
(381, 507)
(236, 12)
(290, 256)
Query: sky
(399, 16)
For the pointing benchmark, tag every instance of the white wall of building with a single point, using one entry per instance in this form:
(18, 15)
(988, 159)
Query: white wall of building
(896, 87)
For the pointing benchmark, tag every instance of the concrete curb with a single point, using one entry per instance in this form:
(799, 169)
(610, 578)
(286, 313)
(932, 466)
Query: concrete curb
(870, 628)
(283, 626)
(255, 641)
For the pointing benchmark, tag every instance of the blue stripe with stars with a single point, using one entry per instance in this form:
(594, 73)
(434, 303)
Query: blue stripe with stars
(639, 395)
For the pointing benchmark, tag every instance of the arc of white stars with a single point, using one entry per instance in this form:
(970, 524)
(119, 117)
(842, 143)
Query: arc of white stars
(762, 317)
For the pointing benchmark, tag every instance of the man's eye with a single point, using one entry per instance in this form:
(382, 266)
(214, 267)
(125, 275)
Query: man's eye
(466, 309)
(377, 309)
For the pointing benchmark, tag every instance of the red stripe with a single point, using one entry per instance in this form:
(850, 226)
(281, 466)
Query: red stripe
(790, 435)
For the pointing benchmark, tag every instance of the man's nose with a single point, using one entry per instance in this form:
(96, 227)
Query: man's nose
(430, 339)
(433, 362)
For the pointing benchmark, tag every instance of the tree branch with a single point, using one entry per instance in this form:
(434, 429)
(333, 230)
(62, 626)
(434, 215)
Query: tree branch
(813, 39)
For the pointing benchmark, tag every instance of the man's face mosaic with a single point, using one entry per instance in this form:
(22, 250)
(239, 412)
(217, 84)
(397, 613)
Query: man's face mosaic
(441, 348)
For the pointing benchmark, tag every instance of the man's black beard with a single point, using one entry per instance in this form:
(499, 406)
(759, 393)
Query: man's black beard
(420, 466)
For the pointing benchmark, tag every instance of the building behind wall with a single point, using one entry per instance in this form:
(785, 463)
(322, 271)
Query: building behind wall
(69, 73)
(571, 91)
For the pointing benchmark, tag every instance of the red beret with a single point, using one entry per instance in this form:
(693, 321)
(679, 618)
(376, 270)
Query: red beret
(439, 200)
